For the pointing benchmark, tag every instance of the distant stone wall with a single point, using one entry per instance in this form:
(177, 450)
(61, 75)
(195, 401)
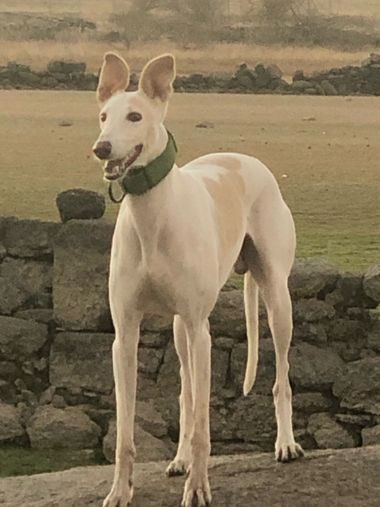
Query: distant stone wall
(56, 384)
(348, 80)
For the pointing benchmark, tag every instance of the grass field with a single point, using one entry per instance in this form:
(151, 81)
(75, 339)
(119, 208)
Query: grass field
(326, 146)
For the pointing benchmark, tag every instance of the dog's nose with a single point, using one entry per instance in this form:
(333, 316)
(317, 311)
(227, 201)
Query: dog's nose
(103, 149)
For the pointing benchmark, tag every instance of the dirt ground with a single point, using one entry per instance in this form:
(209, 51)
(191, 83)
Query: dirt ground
(324, 152)
(345, 478)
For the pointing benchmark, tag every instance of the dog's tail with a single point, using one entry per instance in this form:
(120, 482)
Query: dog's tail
(251, 305)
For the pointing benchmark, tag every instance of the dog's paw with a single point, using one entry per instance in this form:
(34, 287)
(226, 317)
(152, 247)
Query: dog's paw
(177, 467)
(197, 493)
(120, 495)
(288, 451)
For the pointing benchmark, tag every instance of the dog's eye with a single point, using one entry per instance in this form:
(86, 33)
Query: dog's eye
(134, 116)
(103, 117)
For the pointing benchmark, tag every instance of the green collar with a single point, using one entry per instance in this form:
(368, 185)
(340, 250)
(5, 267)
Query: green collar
(140, 179)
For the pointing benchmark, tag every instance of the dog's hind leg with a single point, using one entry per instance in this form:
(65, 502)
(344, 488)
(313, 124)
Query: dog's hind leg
(181, 462)
(269, 255)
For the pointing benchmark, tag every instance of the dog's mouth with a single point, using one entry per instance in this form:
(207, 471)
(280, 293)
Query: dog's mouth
(116, 168)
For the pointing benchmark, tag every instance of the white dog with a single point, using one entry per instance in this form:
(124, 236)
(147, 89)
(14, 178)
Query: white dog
(179, 233)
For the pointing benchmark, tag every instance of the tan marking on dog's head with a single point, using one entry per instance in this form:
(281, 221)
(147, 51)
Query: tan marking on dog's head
(114, 77)
(157, 78)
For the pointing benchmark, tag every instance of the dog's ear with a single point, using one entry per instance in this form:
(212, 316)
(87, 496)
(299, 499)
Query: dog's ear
(114, 77)
(157, 77)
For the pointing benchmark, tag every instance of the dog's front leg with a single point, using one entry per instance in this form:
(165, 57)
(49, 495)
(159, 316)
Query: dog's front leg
(124, 356)
(197, 489)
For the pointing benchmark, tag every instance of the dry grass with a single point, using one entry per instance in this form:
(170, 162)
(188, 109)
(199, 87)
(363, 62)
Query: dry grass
(212, 58)
(331, 162)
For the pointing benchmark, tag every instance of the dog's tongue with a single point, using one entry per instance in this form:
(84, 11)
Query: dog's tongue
(111, 169)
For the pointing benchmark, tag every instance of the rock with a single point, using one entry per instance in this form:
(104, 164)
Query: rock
(79, 203)
(274, 71)
(312, 367)
(357, 385)
(371, 436)
(252, 419)
(66, 67)
(148, 448)
(156, 323)
(301, 85)
(371, 283)
(328, 433)
(205, 125)
(219, 369)
(68, 123)
(20, 338)
(73, 357)
(349, 292)
(33, 278)
(56, 428)
(3, 252)
(265, 370)
(299, 76)
(150, 419)
(373, 337)
(10, 426)
(311, 277)
(228, 316)
(328, 88)
(28, 238)
(313, 332)
(149, 360)
(311, 402)
(80, 285)
(11, 297)
(312, 310)
(153, 340)
(43, 315)
(345, 477)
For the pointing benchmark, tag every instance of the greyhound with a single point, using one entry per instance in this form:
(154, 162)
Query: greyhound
(178, 235)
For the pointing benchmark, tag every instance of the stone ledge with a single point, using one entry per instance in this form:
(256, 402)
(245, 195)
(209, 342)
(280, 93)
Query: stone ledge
(336, 478)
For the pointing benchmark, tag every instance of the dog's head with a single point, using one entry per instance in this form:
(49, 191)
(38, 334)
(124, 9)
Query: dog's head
(131, 122)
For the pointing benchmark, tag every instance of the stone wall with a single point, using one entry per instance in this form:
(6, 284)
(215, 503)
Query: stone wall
(56, 385)
(348, 80)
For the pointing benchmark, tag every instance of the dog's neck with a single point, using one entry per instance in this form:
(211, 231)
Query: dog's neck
(150, 211)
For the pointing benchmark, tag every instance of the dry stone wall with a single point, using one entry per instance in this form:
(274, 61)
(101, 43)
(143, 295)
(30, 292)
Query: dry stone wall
(56, 384)
(361, 79)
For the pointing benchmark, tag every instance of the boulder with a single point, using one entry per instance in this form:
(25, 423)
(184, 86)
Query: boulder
(311, 402)
(312, 367)
(311, 277)
(81, 266)
(265, 370)
(371, 436)
(32, 277)
(228, 318)
(149, 360)
(252, 419)
(328, 88)
(373, 337)
(329, 434)
(28, 238)
(82, 360)
(220, 360)
(371, 283)
(150, 420)
(312, 310)
(148, 448)
(79, 203)
(11, 297)
(10, 426)
(55, 428)
(66, 67)
(19, 339)
(357, 385)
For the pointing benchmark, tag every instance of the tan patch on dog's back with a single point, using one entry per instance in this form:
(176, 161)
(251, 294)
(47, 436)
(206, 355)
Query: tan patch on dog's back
(227, 192)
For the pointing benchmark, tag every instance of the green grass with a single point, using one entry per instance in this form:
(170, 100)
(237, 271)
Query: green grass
(22, 461)
(326, 146)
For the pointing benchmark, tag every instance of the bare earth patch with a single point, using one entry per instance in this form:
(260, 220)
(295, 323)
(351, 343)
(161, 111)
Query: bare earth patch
(346, 478)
